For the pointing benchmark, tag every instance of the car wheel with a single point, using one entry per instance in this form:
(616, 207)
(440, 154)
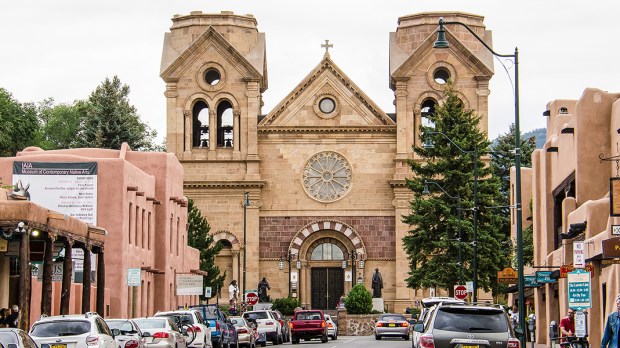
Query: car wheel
(324, 339)
(218, 343)
(294, 340)
(276, 341)
(377, 337)
(263, 344)
(406, 338)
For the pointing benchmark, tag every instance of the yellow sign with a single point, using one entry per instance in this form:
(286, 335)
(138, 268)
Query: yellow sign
(507, 276)
(4, 245)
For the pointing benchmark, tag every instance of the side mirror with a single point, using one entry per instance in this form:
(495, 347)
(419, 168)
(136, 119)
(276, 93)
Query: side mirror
(116, 332)
(418, 327)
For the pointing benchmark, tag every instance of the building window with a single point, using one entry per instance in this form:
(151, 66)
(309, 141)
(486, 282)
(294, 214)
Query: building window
(327, 105)
(427, 109)
(327, 176)
(441, 75)
(212, 76)
(225, 124)
(327, 251)
(130, 221)
(200, 124)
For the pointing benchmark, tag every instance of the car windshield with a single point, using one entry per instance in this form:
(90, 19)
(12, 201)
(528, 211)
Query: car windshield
(145, 324)
(255, 315)
(122, 325)
(211, 313)
(7, 338)
(61, 328)
(470, 320)
(392, 317)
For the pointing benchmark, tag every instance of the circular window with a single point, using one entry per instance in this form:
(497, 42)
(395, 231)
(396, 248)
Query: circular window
(327, 105)
(327, 176)
(212, 77)
(441, 76)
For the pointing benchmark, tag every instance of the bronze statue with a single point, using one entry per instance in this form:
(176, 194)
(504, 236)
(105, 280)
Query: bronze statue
(377, 284)
(263, 285)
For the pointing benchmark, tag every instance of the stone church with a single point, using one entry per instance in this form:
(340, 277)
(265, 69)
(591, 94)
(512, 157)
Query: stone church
(324, 171)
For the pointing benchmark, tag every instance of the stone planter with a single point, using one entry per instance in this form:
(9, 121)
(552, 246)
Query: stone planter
(356, 324)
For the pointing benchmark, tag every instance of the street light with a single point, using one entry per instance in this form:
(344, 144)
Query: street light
(288, 257)
(458, 199)
(246, 202)
(443, 43)
(428, 144)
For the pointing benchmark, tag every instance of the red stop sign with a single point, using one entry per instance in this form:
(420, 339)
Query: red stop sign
(251, 298)
(460, 292)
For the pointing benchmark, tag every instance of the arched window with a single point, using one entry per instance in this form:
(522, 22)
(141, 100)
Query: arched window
(327, 251)
(200, 124)
(427, 109)
(224, 124)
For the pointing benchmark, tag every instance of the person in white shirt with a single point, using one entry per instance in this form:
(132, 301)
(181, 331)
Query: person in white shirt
(233, 291)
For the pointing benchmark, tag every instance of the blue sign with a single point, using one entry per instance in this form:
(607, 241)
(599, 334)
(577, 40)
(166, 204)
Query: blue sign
(544, 277)
(579, 289)
(530, 281)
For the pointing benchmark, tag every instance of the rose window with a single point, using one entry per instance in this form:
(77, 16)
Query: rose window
(327, 176)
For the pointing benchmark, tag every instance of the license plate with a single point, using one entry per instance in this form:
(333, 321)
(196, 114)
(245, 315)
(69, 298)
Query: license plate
(470, 346)
(58, 346)
(392, 325)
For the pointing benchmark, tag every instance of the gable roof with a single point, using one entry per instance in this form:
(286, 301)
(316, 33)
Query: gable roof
(467, 57)
(312, 79)
(174, 63)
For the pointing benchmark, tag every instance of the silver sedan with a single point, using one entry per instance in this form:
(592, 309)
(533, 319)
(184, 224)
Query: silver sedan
(392, 325)
(162, 332)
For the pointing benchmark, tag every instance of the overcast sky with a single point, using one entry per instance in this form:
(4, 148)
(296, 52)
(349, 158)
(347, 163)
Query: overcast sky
(65, 49)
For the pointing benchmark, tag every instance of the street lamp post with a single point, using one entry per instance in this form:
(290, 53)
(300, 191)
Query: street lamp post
(442, 43)
(428, 144)
(288, 257)
(458, 199)
(353, 257)
(246, 202)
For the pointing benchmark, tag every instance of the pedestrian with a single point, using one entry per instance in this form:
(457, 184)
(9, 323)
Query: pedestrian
(233, 291)
(13, 318)
(513, 314)
(3, 315)
(610, 335)
(567, 325)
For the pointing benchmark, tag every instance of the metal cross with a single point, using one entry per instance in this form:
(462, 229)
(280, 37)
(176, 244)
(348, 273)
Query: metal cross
(327, 46)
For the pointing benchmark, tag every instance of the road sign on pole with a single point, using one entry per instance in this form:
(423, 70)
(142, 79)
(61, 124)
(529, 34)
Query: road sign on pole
(579, 290)
(460, 292)
(251, 297)
(579, 254)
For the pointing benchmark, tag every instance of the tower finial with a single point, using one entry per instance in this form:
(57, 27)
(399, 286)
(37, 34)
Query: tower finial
(327, 46)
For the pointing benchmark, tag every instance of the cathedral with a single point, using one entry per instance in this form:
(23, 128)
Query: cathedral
(311, 194)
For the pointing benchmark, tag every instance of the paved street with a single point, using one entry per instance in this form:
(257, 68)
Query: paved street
(355, 341)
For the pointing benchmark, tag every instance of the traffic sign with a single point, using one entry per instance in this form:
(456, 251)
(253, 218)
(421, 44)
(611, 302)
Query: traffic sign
(579, 289)
(579, 254)
(544, 277)
(581, 324)
(470, 286)
(208, 292)
(134, 277)
(251, 298)
(460, 292)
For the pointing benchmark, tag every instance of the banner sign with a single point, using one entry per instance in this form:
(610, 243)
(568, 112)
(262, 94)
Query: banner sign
(69, 188)
(507, 276)
(189, 284)
(565, 269)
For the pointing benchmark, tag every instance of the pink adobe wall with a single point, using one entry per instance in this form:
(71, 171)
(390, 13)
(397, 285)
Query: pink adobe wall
(157, 246)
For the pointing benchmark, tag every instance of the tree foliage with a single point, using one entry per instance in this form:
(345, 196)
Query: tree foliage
(198, 237)
(110, 120)
(18, 123)
(432, 244)
(286, 305)
(358, 300)
(60, 124)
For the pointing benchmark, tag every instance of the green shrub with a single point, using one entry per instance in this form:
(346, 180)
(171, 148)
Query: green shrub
(358, 301)
(286, 305)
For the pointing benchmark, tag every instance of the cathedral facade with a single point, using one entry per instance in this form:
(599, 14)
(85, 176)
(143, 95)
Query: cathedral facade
(311, 194)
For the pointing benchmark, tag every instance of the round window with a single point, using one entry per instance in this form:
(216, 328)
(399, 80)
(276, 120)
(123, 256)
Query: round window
(441, 76)
(327, 176)
(212, 77)
(327, 105)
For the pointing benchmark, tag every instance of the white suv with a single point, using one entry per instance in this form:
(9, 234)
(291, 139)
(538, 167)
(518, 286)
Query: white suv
(195, 321)
(266, 323)
(73, 331)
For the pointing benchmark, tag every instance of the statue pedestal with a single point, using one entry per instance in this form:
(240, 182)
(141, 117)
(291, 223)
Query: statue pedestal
(378, 305)
(262, 306)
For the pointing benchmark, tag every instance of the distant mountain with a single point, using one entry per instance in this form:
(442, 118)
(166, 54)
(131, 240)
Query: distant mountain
(540, 134)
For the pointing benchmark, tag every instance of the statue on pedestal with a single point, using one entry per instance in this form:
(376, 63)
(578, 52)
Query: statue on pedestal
(377, 284)
(263, 285)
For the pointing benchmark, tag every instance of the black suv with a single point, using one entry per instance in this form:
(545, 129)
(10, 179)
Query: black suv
(467, 325)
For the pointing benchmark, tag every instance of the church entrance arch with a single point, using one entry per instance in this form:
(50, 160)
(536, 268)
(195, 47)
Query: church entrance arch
(323, 249)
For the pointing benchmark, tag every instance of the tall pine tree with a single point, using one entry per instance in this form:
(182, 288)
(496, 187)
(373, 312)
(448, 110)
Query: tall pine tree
(432, 243)
(198, 237)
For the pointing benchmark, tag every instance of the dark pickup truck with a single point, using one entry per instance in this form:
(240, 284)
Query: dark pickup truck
(308, 324)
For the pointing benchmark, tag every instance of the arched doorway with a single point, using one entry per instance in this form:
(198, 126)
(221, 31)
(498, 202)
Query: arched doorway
(327, 274)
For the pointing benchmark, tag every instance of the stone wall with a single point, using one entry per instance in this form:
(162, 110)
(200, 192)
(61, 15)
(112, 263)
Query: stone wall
(356, 324)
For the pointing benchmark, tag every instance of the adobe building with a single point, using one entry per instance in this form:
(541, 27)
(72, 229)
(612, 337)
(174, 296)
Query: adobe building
(324, 170)
(573, 188)
(138, 199)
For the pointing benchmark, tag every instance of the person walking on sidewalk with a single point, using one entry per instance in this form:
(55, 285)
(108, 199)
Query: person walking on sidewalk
(567, 325)
(610, 335)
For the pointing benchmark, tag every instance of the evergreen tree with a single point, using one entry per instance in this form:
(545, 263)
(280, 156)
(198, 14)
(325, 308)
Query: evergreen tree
(18, 123)
(198, 237)
(432, 243)
(60, 123)
(110, 120)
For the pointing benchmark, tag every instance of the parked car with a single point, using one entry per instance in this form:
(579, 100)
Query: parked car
(16, 338)
(308, 324)
(73, 331)
(332, 328)
(463, 325)
(197, 325)
(286, 330)
(267, 324)
(223, 333)
(130, 334)
(261, 338)
(164, 332)
(392, 325)
(246, 334)
(428, 304)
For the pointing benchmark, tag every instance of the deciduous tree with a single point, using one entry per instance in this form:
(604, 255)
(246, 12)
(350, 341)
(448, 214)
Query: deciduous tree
(19, 125)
